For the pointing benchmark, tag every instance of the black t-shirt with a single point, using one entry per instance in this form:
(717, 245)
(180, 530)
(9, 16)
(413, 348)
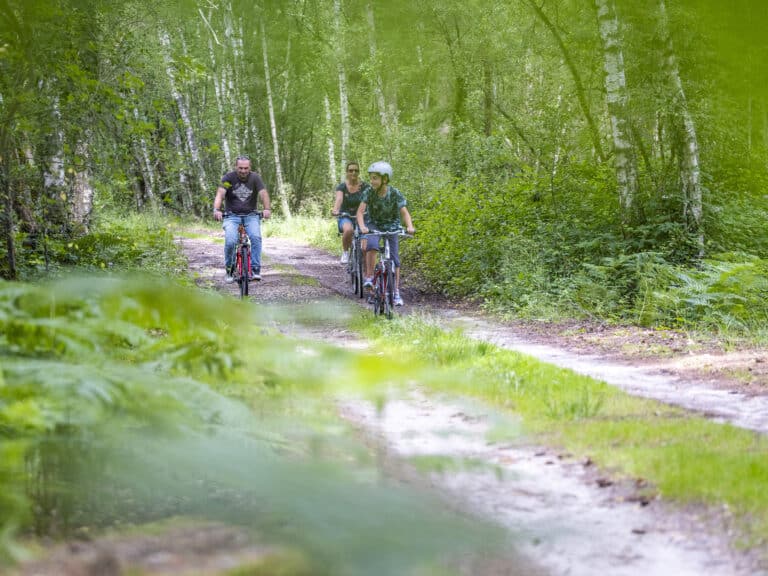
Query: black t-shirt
(351, 200)
(241, 196)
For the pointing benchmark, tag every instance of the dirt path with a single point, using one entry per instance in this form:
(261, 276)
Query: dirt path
(669, 366)
(565, 516)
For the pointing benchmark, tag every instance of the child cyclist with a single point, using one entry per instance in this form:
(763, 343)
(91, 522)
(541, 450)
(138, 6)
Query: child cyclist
(385, 205)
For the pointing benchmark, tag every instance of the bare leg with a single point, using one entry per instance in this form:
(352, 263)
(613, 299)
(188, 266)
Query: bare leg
(346, 237)
(370, 262)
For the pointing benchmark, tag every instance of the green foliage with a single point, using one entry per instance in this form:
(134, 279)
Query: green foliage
(124, 400)
(727, 293)
(135, 242)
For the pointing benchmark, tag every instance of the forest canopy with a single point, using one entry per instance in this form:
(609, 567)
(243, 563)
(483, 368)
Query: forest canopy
(575, 149)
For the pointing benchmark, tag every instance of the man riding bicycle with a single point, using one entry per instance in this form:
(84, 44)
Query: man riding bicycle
(241, 189)
(385, 205)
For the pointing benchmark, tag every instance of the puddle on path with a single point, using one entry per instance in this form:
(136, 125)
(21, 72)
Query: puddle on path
(560, 519)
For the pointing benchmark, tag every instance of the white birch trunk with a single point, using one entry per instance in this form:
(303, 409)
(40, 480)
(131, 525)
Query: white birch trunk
(331, 151)
(81, 197)
(425, 103)
(220, 107)
(184, 113)
(231, 72)
(286, 77)
(343, 102)
(183, 180)
(146, 165)
(618, 105)
(54, 176)
(378, 84)
(273, 126)
(690, 169)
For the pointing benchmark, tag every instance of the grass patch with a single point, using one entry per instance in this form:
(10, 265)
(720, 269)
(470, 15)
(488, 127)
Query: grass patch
(686, 458)
(317, 232)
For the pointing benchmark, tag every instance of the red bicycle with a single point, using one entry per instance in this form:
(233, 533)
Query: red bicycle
(242, 270)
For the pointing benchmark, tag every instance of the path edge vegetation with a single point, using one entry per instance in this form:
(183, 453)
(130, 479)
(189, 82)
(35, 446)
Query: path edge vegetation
(666, 451)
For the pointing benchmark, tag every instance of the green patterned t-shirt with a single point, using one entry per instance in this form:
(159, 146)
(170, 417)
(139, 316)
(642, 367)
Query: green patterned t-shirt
(384, 211)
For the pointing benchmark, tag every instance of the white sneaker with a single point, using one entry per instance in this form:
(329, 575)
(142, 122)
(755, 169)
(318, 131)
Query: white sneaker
(368, 282)
(398, 300)
(229, 278)
(345, 257)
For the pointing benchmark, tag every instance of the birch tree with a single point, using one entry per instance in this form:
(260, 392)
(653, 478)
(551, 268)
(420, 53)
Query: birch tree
(281, 189)
(185, 118)
(378, 84)
(617, 101)
(329, 132)
(690, 171)
(343, 97)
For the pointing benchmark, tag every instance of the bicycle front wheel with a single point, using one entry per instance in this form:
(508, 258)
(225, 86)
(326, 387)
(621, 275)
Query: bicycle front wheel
(245, 271)
(389, 293)
(378, 292)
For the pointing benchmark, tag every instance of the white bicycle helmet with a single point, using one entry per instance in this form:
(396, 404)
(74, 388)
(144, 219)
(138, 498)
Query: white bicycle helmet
(381, 167)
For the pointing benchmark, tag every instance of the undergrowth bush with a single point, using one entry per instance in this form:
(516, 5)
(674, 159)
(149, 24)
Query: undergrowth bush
(115, 242)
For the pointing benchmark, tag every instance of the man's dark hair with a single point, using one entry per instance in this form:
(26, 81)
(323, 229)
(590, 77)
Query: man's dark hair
(243, 157)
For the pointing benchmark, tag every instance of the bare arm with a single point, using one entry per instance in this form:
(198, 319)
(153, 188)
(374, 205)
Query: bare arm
(361, 217)
(265, 203)
(337, 202)
(407, 219)
(217, 201)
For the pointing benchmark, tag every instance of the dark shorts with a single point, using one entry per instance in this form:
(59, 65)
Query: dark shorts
(374, 241)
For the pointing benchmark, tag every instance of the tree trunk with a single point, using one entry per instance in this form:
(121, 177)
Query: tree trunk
(281, 190)
(217, 91)
(286, 76)
(184, 113)
(618, 106)
(145, 163)
(343, 102)
(690, 170)
(378, 84)
(8, 216)
(81, 197)
(487, 98)
(54, 177)
(329, 131)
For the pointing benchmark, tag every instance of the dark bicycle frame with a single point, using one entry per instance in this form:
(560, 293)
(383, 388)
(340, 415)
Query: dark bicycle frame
(355, 263)
(243, 254)
(384, 275)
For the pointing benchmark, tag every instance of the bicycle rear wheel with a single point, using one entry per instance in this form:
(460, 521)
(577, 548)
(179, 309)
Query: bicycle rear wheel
(351, 268)
(245, 271)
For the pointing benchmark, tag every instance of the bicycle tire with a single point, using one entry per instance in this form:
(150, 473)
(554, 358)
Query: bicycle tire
(378, 291)
(245, 264)
(359, 271)
(351, 268)
(389, 293)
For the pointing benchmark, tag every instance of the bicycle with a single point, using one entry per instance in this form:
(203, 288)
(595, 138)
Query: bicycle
(242, 269)
(383, 292)
(355, 262)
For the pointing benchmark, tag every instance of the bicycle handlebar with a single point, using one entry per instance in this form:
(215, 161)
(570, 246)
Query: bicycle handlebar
(398, 232)
(258, 213)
